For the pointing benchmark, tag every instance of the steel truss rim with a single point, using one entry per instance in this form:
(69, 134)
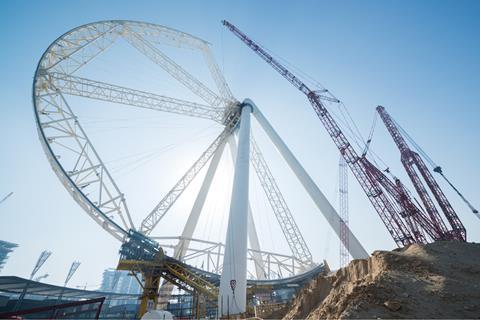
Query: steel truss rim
(79, 196)
(59, 170)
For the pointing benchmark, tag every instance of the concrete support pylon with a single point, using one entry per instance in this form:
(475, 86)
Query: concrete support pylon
(233, 281)
(252, 230)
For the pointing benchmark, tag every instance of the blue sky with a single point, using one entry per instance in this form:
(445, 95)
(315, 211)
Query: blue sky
(420, 59)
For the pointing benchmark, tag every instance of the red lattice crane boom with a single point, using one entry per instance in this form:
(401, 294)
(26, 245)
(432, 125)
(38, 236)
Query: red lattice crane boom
(401, 216)
(390, 216)
(343, 211)
(410, 160)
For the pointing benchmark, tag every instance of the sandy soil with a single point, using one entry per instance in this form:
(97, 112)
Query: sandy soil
(439, 281)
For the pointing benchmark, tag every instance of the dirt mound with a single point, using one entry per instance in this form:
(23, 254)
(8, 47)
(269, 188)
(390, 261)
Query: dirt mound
(438, 280)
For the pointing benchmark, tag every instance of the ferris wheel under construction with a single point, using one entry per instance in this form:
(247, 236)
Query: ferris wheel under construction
(227, 282)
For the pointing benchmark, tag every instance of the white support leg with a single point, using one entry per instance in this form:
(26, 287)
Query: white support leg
(189, 229)
(255, 245)
(355, 248)
(252, 230)
(181, 248)
(233, 281)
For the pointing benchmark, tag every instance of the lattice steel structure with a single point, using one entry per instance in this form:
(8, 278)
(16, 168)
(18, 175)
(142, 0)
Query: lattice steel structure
(85, 175)
(412, 162)
(403, 219)
(343, 210)
(79, 166)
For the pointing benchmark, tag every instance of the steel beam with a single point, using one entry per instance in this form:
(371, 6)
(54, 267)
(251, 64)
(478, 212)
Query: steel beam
(285, 219)
(171, 67)
(183, 244)
(79, 46)
(355, 247)
(92, 89)
(217, 75)
(55, 115)
(192, 220)
(202, 249)
(149, 223)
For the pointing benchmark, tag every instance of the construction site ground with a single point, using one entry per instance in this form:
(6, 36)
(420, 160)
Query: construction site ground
(435, 281)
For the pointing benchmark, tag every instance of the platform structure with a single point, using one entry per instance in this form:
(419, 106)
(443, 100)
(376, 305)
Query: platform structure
(143, 256)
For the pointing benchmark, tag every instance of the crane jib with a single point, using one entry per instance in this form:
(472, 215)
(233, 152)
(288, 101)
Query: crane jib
(396, 214)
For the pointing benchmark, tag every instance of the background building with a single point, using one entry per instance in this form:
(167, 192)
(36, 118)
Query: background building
(5, 249)
(119, 282)
(41, 295)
